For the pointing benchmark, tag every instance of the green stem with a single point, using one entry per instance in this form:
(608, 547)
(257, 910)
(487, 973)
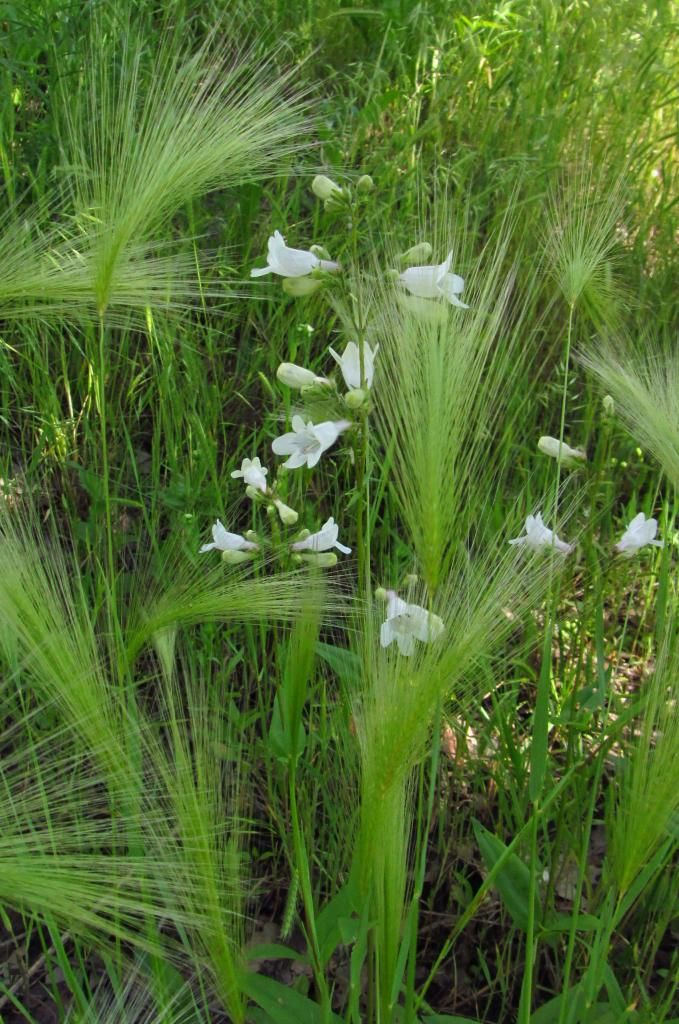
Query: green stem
(302, 863)
(531, 945)
(564, 400)
(582, 868)
(101, 404)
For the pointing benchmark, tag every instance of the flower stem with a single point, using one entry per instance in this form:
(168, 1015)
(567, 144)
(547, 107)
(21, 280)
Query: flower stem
(302, 864)
(564, 399)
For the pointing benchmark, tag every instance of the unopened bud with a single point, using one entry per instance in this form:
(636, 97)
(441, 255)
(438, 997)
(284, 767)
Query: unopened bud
(288, 515)
(609, 405)
(365, 183)
(381, 594)
(251, 536)
(298, 287)
(296, 376)
(322, 559)
(325, 188)
(253, 493)
(356, 398)
(236, 557)
(560, 450)
(411, 579)
(416, 254)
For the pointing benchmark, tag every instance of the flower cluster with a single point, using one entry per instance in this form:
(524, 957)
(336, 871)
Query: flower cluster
(311, 547)
(425, 287)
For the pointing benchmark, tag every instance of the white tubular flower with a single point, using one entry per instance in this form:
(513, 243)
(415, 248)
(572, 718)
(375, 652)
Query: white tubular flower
(253, 473)
(290, 262)
(298, 376)
(222, 540)
(350, 364)
(434, 282)
(539, 538)
(307, 441)
(406, 623)
(569, 456)
(288, 515)
(641, 531)
(323, 540)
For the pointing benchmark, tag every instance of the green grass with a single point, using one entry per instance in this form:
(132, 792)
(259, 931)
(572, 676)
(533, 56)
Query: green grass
(220, 797)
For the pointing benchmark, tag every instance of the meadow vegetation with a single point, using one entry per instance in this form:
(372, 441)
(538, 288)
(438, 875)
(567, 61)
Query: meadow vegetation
(387, 734)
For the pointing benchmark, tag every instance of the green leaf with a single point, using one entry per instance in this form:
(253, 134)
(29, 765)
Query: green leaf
(345, 664)
(562, 923)
(538, 746)
(282, 1004)
(280, 737)
(273, 951)
(336, 924)
(444, 1018)
(512, 880)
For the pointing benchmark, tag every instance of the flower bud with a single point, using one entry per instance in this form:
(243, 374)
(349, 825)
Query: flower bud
(416, 254)
(320, 251)
(251, 536)
(609, 405)
(411, 579)
(321, 559)
(298, 287)
(365, 183)
(253, 493)
(325, 188)
(356, 398)
(288, 515)
(296, 376)
(559, 449)
(381, 594)
(236, 557)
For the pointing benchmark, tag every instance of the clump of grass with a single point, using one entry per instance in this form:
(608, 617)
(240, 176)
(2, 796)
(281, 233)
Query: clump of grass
(643, 381)
(645, 799)
(445, 401)
(144, 140)
(582, 244)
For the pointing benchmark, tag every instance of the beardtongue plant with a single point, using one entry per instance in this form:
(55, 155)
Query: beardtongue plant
(420, 384)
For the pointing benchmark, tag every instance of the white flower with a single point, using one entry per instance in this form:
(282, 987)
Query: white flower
(538, 537)
(406, 623)
(434, 282)
(253, 473)
(298, 376)
(288, 515)
(350, 364)
(307, 441)
(222, 540)
(290, 262)
(323, 540)
(640, 531)
(569, 456)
